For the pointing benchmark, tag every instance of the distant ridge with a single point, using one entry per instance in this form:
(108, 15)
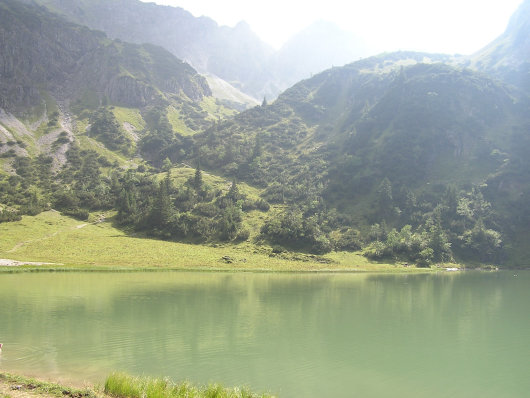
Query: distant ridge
(236, 55)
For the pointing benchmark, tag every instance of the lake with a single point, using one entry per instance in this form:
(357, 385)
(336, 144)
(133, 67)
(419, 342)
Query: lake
(294, 335)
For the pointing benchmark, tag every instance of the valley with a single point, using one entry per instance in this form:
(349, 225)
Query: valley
(178, 199)
(401, 158)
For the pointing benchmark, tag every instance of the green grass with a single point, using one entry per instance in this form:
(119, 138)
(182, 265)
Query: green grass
(27, 384)
(90, 143)
(129, 115)
(3, 162)
(75, 245)
(180, 175)
(82, 126)
(210, 105)
(42, 130)
(176, 121)
(124, 386)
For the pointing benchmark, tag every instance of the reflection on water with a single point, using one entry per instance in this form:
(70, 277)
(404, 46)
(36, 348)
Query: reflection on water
(298, 335)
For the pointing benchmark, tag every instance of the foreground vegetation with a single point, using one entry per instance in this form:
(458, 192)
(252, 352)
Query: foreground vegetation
(121, 385)
(16, 385)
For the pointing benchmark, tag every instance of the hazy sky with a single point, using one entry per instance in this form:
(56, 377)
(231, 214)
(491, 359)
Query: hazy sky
(449, 26)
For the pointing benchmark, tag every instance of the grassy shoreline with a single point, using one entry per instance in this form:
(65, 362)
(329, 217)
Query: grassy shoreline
(119, 385)
(97, 245)
(19, 386)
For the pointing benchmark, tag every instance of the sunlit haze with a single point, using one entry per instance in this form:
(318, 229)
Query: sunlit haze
(450, 26)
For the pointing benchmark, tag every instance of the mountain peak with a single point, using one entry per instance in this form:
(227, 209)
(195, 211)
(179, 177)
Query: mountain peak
(520, 20)
(243, 26)
(507, 56)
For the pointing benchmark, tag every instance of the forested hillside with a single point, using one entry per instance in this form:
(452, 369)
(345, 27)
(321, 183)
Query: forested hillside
(401, 160)
(405, 157)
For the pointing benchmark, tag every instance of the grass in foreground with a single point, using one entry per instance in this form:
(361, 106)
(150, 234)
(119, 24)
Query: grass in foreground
(34, 386)
(124, 386)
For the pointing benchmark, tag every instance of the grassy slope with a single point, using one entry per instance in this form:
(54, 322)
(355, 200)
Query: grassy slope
(177, 122)
(129, 115)
(51, 237)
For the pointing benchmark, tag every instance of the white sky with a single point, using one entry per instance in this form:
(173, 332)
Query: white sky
(448, 26)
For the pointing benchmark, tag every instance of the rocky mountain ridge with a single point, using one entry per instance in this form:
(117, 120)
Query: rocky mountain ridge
(236, 55)
(507, 57)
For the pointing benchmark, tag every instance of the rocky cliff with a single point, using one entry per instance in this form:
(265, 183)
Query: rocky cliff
(40, 52)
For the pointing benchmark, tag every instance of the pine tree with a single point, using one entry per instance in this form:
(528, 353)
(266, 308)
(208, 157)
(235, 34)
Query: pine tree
(233, 192)
(197, 178)
(166, 164)
(385, 200)
(163, 210)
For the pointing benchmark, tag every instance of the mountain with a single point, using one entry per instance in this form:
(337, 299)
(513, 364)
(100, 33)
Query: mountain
(55, 75)
(507, 56)
(40, 52)
(235, 55)
(408, 157)
(389, 140)
(314, 49)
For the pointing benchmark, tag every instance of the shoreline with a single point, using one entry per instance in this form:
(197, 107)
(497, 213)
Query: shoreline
(18, 266)
(5, 262)
(20, 386)
(15, 266)
(52, 242)
(118, 385)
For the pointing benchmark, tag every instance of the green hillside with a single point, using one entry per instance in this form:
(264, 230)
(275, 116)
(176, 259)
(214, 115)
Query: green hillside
(396, 160)
(402, 158)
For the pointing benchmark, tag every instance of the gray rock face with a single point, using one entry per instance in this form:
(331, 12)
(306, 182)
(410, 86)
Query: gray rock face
(42, 52)
(236, 54)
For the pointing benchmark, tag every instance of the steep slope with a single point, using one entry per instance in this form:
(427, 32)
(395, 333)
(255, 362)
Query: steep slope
(508, 56)
(39, 51)
(55, 75)
(389, 140)
(80, 115)
(236, 54)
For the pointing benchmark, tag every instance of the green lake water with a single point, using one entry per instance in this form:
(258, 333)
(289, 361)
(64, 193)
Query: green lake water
(294, 335)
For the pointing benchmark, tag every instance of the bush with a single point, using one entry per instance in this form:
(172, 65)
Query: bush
(426, 257)
(77, 213)
(376, 251)
(243, 235)
(263, 205)
(349, 240)
(7, 216)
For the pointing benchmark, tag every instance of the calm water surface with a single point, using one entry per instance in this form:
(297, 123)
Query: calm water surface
(295, 335)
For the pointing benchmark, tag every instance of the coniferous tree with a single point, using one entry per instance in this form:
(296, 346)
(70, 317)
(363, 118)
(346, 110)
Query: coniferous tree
(385, 200)
(233, 192)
